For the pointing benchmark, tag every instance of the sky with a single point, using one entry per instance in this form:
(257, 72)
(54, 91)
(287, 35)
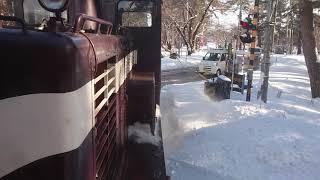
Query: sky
(229, 18)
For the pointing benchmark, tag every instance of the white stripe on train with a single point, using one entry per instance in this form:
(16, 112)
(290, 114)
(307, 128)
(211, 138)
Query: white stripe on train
(40, 125)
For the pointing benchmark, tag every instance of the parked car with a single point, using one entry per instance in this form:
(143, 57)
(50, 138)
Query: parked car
(214, 62)
(174, 53)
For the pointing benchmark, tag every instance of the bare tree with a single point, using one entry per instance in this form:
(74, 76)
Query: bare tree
(220, 34)
(188, 18)
(309, 46)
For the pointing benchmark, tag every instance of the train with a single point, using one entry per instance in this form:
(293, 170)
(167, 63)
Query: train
(75, 74)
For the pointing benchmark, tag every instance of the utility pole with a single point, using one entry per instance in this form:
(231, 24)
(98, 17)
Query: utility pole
(268, 42)
(252, 49)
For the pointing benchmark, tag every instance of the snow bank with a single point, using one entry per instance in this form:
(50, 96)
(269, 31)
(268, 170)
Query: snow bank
(238, 140)
(141, 133)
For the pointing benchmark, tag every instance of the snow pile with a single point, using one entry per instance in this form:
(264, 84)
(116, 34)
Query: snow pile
(224, 78)
(158, 112)
(141, 133)
(184, 62)
(238, 140)
(157, 130)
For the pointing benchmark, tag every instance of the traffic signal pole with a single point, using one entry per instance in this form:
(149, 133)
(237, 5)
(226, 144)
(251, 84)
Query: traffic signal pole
(252, 49)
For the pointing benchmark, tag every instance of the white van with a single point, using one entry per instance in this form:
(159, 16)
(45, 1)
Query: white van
(214, 62)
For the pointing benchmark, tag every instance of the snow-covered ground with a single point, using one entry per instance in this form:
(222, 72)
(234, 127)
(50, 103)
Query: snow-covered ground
(184, 62)
(237, 140)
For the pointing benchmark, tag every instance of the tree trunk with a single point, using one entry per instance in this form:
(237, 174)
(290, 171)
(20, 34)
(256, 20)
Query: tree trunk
(275, 22)
(268, 34)
(299, 35)
(291, 42)
(299, 44)
(1, 7)
(193, 31)
(309, 46)
(291, 28)
(259, 38)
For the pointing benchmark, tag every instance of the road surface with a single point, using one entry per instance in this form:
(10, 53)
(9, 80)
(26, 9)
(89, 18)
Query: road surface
(180, 76)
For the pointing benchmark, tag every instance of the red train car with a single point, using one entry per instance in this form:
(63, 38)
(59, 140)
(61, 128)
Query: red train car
(74, 75)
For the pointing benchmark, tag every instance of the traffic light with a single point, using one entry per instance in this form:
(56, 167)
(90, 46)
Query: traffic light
(246, 38)
(244, 24)
(247, 24)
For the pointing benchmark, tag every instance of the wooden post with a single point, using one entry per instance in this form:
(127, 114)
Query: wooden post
(252, 49)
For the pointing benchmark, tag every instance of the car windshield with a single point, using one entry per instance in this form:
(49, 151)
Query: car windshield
(212, 57)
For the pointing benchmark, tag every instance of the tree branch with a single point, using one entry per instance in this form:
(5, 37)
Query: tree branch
(201, 19)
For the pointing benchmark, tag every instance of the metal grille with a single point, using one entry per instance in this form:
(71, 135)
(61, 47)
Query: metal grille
(110, 114)
(105, 113)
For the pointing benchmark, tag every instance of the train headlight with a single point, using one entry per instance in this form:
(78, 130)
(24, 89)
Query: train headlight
(55, 6)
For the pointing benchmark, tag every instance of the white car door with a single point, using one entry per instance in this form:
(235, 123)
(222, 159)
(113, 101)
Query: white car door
(215, 65)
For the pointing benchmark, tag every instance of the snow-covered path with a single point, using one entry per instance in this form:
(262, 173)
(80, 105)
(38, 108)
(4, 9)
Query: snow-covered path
(236, 140)
(184, 62)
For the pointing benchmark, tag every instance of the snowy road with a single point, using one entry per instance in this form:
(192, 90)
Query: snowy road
(181, 70)
(237, 140)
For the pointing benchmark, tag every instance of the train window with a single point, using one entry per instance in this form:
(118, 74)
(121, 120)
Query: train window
(6, 10)
(136, 19)
(136, 13)
(35, 14)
